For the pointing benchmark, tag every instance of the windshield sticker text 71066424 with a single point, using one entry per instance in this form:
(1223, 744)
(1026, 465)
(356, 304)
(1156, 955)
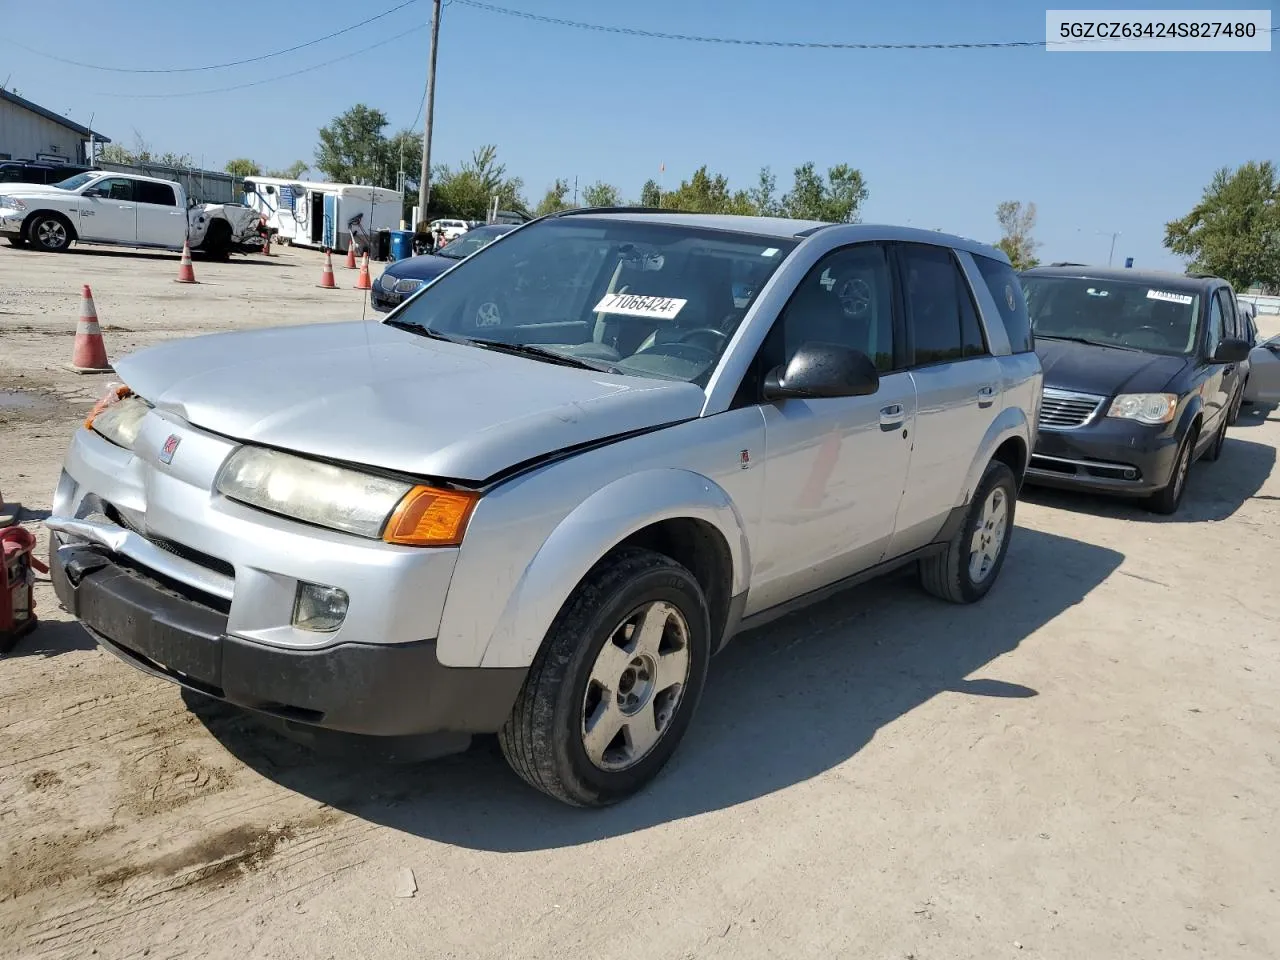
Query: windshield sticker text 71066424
(1169, 297)
(634, 305)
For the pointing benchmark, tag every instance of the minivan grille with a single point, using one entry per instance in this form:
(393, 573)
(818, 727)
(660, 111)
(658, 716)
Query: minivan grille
(1063, 410)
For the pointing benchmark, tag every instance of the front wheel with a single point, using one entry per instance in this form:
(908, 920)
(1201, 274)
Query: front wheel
(966, 569)
(1167, 500)
(50, 232)
(615, 684)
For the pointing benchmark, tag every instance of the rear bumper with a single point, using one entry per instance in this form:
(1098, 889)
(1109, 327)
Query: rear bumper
(370, 689)
(1110, 456)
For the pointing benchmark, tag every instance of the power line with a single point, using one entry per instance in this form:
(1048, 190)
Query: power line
(282, 76)
(219, 66)
(738, 41)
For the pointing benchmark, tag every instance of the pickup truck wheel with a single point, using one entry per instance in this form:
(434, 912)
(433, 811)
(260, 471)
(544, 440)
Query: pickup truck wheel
(615, 683)
(51, 232)
(966, 569)
(217, 242)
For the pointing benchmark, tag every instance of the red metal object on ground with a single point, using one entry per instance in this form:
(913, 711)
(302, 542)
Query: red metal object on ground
(17, 574)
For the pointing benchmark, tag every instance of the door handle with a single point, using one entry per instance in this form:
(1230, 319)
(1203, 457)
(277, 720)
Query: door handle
(986, 396)
(891, 416)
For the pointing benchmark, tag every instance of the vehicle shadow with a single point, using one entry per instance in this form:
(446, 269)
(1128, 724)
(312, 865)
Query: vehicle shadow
(1256, 414)
(1215, 490)
(51, 638)
(783, 704)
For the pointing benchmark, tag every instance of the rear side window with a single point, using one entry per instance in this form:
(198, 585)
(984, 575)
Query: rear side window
(937, 300)
(158, 193)
(1005, 289)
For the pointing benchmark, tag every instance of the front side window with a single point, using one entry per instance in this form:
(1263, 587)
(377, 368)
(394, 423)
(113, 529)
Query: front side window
(940, 312)
(113, 188)
(1217, 327)
(641, 298)
(847, 300)
(1127, 314)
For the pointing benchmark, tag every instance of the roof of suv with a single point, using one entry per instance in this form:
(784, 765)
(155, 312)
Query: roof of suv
(784, 228)
(1163, 278)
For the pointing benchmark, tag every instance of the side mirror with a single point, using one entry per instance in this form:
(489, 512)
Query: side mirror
(95, 192)
(821, 370)
(1231, 350)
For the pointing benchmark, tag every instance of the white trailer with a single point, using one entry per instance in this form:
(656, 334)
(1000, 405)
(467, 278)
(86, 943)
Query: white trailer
(312, 214)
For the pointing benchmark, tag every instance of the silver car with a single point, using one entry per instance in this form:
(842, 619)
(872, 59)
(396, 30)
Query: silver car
(537, 497)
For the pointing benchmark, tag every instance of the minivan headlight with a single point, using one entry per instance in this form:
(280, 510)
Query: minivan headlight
(1152, 408)
(340, 498)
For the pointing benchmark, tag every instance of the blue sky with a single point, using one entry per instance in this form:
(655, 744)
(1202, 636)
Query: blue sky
(1100, 141)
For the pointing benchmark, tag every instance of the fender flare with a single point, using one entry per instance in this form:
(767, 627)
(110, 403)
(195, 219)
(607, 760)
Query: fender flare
(591, 530)
(1193, 409)
(1010, 423)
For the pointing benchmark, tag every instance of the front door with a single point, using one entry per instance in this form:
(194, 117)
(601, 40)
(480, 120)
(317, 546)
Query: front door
(161, 222)
(834, 467)
(108, 212)
(1216, 383)
(958, 388)
(330, 221)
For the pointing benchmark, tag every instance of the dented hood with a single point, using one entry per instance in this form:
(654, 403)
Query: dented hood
(367, 393)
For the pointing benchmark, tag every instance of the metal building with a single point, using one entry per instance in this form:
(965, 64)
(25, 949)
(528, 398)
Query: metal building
(30, 132)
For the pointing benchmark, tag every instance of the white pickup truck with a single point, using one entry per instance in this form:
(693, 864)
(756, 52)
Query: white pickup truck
(125, 210)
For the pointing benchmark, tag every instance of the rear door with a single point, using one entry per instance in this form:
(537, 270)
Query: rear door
(1216, 381)
(161, 222)
(108, 212)
(958, 386)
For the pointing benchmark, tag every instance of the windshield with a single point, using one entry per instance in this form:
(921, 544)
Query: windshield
(1116, 313)
(76, 182)
(648, 299)
(471, 241)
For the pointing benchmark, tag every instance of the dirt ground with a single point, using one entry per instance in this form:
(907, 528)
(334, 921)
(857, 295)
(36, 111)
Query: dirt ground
(1086, 765)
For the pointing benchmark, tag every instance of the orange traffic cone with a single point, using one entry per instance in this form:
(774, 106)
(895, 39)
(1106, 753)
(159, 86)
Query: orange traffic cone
(186, 272)
(351, 254)
(89, 355)
(363, 282)
(326, 275)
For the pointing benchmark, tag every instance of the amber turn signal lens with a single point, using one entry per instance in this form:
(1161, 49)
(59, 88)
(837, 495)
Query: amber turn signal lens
(111, 396)
(430, 517)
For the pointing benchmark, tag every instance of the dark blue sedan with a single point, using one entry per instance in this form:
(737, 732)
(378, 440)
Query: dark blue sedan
(404, 277)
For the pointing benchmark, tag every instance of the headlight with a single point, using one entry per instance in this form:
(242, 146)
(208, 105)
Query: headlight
(118, 417)
(1152, 408)
(344, 499)
(408, 285)
(13, 203)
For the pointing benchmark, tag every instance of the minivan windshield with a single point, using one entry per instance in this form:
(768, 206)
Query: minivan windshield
(76, 182)
(1113, 313)
(634, 297)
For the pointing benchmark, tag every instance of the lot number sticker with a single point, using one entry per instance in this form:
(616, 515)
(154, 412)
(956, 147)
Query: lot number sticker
(632, 305)
(1169, 297)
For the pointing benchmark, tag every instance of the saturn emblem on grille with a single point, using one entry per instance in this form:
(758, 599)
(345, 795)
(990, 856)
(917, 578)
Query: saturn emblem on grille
(170, 448)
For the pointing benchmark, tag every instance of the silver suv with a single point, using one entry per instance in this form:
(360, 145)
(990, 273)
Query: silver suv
(539, 495)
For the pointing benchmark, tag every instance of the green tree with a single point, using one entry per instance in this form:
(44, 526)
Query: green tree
(292, 172)
(650, 194)
(707, 193)
(553, 201)
(1234, 231)
(243, 167)
(1016, 224)
(837, 199)
(601, 194)
(764, 196)
(468, 191)
(353, 148)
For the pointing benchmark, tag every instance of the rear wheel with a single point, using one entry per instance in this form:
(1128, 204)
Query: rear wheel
(1168, 500)
(217, 242)
(615, 684)
(967, 569)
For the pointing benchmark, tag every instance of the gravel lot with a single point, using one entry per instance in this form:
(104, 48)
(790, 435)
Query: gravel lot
(1086, 765)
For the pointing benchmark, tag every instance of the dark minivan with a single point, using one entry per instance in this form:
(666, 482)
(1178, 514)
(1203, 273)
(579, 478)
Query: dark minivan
(1142, 375)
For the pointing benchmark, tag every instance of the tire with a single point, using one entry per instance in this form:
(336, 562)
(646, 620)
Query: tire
(1219, 438)
(17, 241)
(545, 739)
(953, 575)
(51, 232)
(1239, 402)
(1168, 499)
(217, 242)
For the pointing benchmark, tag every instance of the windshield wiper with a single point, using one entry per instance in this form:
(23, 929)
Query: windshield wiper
(1092, 343)
(422, 331)
(542, 353)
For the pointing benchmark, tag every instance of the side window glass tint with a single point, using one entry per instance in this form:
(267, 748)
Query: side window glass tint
(1005, 289)
(1231, 320)
(156, 193)
(846, 299)
(933, 307)
(1215, 326)
(974, 344)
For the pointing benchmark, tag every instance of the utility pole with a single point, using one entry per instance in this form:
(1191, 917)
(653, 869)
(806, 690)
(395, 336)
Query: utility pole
(1111, 255)
(424, 176)
(575, 190)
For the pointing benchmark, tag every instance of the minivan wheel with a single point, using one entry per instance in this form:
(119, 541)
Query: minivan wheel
(1219, 438)
(966, 569)
(1168, 500)
(615, 684)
